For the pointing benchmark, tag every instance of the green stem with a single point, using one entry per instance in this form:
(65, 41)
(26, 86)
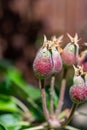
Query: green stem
(71, 114)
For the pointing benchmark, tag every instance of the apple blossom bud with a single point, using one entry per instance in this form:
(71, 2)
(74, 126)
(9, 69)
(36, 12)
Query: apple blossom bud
(48, 60)
(43, 64)
(57, 61)
(70, 52)
(78, 94)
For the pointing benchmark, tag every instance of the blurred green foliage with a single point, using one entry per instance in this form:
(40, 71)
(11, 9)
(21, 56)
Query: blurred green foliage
(16, 114)
(12, 84)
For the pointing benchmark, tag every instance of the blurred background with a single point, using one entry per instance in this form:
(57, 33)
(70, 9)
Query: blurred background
(24, 22)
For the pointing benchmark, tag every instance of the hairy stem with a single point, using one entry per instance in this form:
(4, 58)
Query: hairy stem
(43, 95)
(71, 114)
(61, 98)
(51, 95)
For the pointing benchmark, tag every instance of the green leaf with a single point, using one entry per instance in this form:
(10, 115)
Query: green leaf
(33, 93)
(15, 84)
(2, 127)
(14, 128)
(9, 120)
(5, 87)
(18, 125)
(15, 76)
(7, 104)
(4, 65)
(13, 122)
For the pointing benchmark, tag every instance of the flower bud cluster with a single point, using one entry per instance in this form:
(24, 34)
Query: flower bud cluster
(48, 60)
(78, 92)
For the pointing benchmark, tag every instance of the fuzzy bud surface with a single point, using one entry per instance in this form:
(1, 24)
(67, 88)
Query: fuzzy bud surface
(78, 94)
(43, 65)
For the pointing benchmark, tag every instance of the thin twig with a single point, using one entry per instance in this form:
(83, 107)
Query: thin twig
(71, 114)
(51, 95)
(61, 98)
(23, 107)
(40, 127)
(43, 95)
(70, 128)
(34, 104)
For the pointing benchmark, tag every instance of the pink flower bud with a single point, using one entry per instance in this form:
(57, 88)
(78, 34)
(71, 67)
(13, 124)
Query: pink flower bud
(78, 94)
(43, 64)
(57, 61)
(78, 80)
(68, 54)
(48, 60)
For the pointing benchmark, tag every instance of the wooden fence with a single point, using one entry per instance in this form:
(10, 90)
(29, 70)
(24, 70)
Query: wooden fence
(63, 16)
